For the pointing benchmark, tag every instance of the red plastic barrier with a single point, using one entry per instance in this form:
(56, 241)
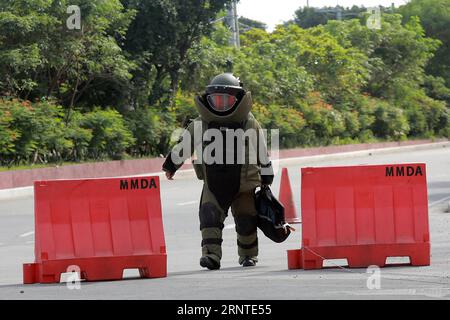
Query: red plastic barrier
(103, 226)
(364, 214)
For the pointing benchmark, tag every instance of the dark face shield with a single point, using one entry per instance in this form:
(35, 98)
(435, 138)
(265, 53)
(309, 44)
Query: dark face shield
(221, 102)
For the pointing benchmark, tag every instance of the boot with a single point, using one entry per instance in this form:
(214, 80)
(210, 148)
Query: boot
(207, 262)
(248, 262)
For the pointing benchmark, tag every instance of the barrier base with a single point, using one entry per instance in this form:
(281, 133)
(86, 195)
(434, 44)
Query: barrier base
(295, 259)
(96, 269)
(359, 256)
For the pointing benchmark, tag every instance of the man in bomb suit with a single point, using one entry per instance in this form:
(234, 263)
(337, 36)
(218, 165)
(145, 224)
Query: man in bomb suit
(225, 107)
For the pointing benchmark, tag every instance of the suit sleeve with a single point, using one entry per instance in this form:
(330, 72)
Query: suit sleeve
(263, 156)
(183, 149)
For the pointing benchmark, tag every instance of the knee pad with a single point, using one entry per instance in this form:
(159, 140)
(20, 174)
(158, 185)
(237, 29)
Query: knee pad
(210, 216)
(245, 224)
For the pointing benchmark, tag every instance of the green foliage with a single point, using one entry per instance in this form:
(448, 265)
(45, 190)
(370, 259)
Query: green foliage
(337, 71)
(390, 122)
(324, 123)
(23, 124)
(435, 88)
(32, 132)
(207, 59)
(79, 136)
(184, 108)
(40, 57)
(7, 134)
(435, 18)
(49, 130)
(395, 55)
(160, 37)
(288, 121)
(38, 133)
(247, 23)
(151, 127)
(308, 17)
(110, 136)
(270, 68)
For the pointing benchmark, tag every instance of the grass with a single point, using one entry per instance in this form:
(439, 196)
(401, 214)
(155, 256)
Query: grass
(37, 166)
(61, 164)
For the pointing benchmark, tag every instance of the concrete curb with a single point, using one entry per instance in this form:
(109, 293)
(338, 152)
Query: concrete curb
(16, 193)
(24, 192)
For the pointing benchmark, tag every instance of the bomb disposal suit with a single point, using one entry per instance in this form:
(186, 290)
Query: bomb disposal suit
(232, 160)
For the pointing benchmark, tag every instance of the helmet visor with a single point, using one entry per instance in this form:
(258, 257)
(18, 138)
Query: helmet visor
(221, 102)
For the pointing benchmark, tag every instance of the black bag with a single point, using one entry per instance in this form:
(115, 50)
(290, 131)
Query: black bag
(271, 216)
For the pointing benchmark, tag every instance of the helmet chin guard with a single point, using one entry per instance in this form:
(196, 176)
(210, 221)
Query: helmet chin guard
(238, 113)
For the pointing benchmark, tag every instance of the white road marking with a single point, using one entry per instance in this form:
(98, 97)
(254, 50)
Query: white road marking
(26, 234)
(188, 203)
(439, 201)
(230, 226)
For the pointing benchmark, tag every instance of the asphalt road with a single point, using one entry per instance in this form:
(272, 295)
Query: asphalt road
(270, 279)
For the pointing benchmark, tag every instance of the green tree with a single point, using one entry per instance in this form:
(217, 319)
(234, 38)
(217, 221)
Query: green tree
(159, 40)
(50, 135)
(337, 72)
(308, 17)
(390, 122)
(32, 133)
(435, 18)
(207, 58)
(110, 137)
(148, 128)
(396, 54)
(435, 88)
(79, 136)
(247, 23)
(269, 66)
(7, 134)
(23, 124)
(41, 57)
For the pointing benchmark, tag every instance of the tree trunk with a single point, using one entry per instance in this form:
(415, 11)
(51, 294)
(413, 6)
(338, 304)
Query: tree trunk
(174, 84)
(157, 87)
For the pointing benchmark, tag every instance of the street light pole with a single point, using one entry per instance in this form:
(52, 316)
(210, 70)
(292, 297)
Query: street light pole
(234, 25)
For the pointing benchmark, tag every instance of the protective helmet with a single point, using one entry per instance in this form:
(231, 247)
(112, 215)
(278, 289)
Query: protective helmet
(223, 93)
(225, 99)
(271, 219)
